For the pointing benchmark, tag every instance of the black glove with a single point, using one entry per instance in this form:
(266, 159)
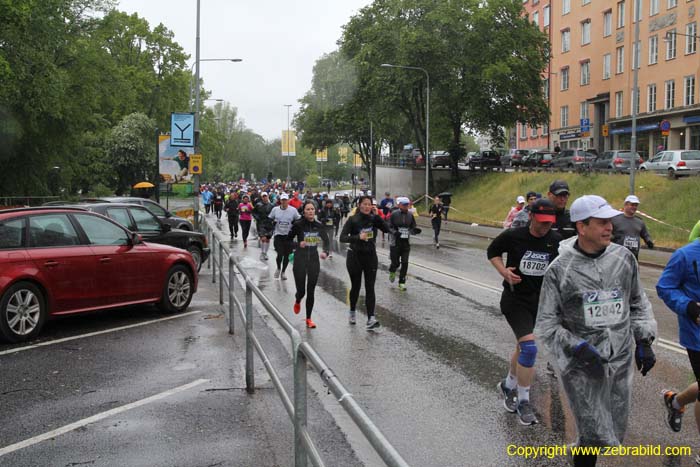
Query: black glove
(650, 245)
(693, 311)
(416, 231)
(589, 356)
(644, 357)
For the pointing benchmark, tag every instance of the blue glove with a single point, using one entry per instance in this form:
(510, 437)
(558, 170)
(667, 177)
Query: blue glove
(644, 357)
(590, 358)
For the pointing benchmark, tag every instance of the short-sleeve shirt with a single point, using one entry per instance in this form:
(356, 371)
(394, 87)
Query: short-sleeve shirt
(283, 219)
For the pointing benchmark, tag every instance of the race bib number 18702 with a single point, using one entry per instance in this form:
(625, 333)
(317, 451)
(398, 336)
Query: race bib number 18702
(534, 263)
(603, 308)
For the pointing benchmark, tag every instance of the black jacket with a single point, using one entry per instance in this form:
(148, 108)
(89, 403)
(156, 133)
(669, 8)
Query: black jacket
(359, 223)
(304, 231)
(563, 225)
(231, 207)
(331, 215)
(398, 221)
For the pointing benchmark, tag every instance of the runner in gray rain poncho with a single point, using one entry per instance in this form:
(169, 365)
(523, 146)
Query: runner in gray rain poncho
(592, 312)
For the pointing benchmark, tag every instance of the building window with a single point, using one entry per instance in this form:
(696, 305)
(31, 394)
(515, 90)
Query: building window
(586, 32)
(636, 54)
(536, 18)
(618, 104)
(620, 56)
(565, 7)
(653, 49)
(653, 7)
(564, 116)
(523, 131)
(545, 129)
(607, 23)
(672, 4)
(545, 16)
(669, 94)
(606, 66)
(651, 98)
(585, 73)
(585, 2)
(566, 40)
(690, 38)
(671, 44)
(564, 78)
(689, 90)
(533, 132)
(620, 14)
(583, 110)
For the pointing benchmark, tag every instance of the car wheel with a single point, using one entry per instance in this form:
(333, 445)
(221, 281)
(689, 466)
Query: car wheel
(23, 312)
(177, 290)
(672, 174)
(643, 169)
(196, 253)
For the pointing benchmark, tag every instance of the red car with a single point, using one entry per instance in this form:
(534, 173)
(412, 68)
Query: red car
(61, 261)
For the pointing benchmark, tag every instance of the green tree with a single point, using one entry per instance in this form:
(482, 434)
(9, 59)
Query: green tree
(130, 151)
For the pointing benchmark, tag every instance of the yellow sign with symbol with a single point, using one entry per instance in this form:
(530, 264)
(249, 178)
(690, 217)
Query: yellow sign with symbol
(195, 164)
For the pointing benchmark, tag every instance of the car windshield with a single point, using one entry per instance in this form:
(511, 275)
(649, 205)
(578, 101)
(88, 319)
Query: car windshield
(690, 156)
(625, 155)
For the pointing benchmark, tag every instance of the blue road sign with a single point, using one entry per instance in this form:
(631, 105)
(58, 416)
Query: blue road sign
(585, 125)
(182, 129)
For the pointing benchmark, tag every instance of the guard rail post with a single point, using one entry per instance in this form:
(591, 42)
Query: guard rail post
(231, 304)
(300, 457)
(221, 273)
(249, 368)
(213, 253)
(210, 234)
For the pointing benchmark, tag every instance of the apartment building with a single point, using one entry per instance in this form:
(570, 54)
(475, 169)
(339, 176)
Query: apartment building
(591, 73)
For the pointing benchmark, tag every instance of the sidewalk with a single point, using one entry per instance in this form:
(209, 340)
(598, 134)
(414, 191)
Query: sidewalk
(656, 258)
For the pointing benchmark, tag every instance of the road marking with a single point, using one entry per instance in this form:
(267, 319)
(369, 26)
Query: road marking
(106, 331)
(95, 418)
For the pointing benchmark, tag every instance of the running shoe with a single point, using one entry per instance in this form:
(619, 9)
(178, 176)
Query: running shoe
(510, 396)
(674, 417)
(526, 413)
(245, 244)
(437, 245)
(284, 277)
(402, 286)
(352, 317)
(310, 324)
(277, 274)
(392, 276)
(373, 324)
(297, 308)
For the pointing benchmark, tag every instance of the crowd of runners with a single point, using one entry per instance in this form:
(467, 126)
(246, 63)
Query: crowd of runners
(570, 283)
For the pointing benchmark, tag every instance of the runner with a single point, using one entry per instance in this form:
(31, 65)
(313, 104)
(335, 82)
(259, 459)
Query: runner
(628, 228)
(529, 251)
(283, 216)
(306, 234)
(328, 217)
(264, 224)
(436, 219)
(513, 212)
(231, 209)
(679, 288)
(403, 224)
(386, 204)
(523, 216)
(218, 202)
(360, 231)
(207, 197)
(559, 195)
(245, 209)
(592, 310)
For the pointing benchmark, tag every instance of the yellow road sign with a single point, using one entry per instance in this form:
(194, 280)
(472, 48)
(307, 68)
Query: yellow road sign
(196, 164)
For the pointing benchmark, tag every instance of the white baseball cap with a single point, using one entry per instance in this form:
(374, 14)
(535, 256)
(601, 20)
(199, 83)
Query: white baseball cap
(592, 206)
(520, 199)
(284, 196)
(632, 199)
(403, 200)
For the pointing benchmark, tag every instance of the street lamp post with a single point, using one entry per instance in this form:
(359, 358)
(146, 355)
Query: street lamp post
(426, 156)
(289, 149)
(234, 60)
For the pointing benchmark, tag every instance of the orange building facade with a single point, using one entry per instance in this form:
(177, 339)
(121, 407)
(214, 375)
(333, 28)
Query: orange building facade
(591, 74)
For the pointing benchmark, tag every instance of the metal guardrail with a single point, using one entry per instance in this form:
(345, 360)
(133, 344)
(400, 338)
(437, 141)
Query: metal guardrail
(302, 352)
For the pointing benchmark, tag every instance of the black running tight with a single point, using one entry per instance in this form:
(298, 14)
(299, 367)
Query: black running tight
(305, 278)
(245, 229)
(358, 264)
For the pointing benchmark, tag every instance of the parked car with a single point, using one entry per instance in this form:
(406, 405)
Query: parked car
(677, 163)
(483, 159)
(411, 156)
(140, 220)
(470, 154)
(574, 159)
(514, 157)
(539, 159)
(163, 214)
(61, 261)
(616, 160)
(440, 159)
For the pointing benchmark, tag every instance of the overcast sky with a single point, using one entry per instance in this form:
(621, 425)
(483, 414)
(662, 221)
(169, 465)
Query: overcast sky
(278, 40)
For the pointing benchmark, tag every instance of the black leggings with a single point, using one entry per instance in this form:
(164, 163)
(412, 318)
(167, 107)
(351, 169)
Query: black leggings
(305, 278)
(283, 247)
(233, 225)
(399, 254)
(217, 210)
(245, 229)
(694, 357)
(437, 223)
(357, 264)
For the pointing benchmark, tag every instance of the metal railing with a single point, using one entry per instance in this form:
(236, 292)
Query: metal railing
(302, 352)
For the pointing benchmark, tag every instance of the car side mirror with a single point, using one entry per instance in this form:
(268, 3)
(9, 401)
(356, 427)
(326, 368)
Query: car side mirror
(166, 228)
(136, 238)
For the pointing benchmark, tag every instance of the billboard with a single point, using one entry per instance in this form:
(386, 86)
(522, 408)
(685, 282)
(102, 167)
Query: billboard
(322, 155)
(173, 162)
(288, 143)
(343, 155)
(182, 129)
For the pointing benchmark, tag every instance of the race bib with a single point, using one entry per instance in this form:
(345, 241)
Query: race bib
(534, 263)
(283, 227)
(312, 239)
(369, 231)
(404, 232)
(389, 205)
(244, 209)
(603, 308)
(329, 221)
(631, 242)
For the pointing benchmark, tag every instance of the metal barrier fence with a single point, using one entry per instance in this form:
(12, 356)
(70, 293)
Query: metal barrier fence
(302, 352)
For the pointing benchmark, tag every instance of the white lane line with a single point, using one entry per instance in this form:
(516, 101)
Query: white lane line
(97, 333)
(95, 418)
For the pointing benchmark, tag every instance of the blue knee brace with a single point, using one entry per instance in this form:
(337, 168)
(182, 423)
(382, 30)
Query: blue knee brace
(528, 354)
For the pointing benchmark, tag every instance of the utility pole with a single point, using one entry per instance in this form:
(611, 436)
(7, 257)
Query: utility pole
(195, 186)
(636, 59)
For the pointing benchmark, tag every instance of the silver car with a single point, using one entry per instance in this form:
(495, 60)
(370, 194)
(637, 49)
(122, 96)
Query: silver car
(677, 163)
